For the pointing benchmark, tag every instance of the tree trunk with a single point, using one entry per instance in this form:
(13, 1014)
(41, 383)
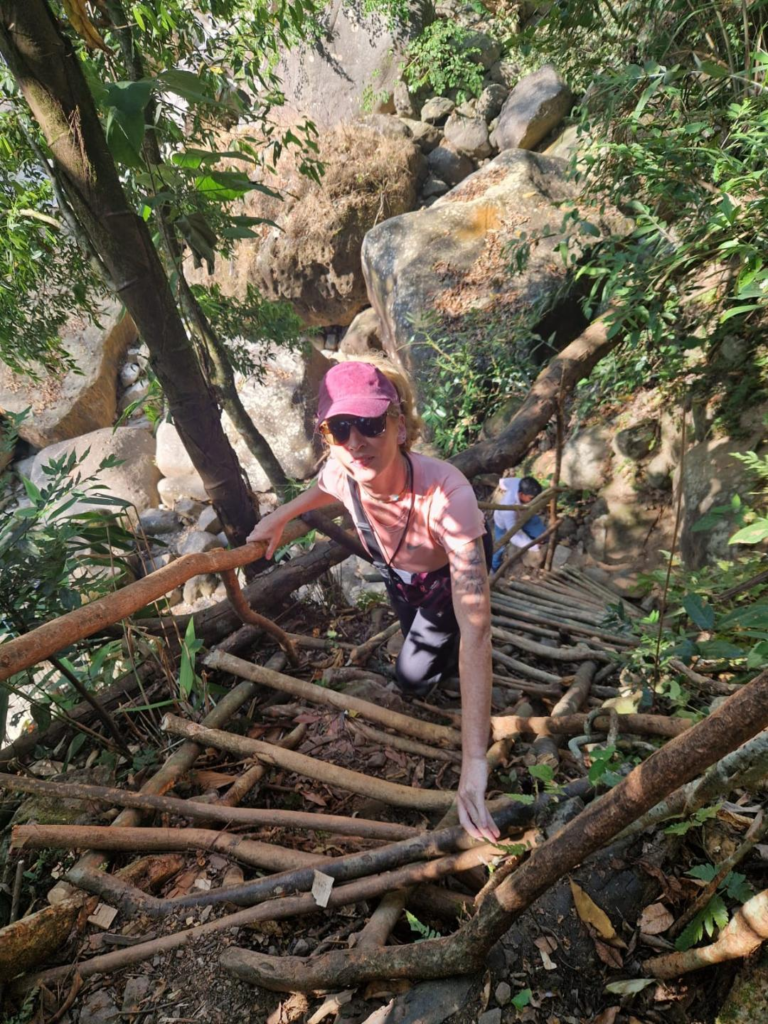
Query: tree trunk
(557, 379)
(50, 77)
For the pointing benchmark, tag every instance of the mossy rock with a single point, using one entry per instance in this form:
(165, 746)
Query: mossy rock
(748, 998)
(46, 809)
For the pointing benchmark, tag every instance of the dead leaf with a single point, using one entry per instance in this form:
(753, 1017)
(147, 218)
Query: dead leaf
(655, 919)
(607, 1016)
(546, 945)
(590, 913)
(315, 798)
(610, 956)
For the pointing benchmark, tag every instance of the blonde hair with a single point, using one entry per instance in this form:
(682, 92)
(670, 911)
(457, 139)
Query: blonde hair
(403, 385)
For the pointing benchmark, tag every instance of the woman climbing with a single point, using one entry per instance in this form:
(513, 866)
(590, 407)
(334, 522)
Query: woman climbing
(419, 520)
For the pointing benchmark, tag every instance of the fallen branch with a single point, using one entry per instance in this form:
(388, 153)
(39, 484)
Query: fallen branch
(426, 846)
(536, 674)
(390, 739)
(573, 725)
(293, 906)
(34, 938)
(333, 775)
(745, 932)
(703, 683)
(40, 643)
(212, 812)
(440, 735)
(545, 747)
(253, 618)
(268, 856)
(742, 767)
(570, 654)
(567, 368)
(361, 653)
(738, 719)
(754, 835)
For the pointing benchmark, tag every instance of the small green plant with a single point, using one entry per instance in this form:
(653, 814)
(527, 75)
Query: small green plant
(441, 59)
(370, 599)
(734, 887)
(480, 368)
(696, 820)
(421, 929)
(189, 681)
(373, 96)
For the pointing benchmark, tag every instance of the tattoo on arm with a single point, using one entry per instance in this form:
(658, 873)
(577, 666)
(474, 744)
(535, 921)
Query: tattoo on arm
(468, 570)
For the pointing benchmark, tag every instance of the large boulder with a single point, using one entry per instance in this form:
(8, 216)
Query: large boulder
(63, 406)
(711, 476)
(536, 105)
(133, 477)
(312, 257)
(449, 260)
(586, 459)
(282, 402)
(363, 335)
(468, 135)
(358, 56)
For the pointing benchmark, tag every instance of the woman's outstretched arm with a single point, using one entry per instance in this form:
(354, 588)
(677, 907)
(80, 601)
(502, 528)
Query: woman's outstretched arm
(472, 605)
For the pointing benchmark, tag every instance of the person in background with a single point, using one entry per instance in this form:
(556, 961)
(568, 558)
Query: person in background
(419, 520)
(516, 491)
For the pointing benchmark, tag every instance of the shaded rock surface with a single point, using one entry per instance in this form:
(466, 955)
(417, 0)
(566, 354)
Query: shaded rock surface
(282, 404)
(326, 80)
(468, 135)
(363, 334)
(450, 260)
(535, 106)
(449, 165)
(134, 479)
(75, 403)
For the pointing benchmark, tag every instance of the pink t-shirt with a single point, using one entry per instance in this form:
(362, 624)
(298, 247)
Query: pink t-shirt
(445, 515)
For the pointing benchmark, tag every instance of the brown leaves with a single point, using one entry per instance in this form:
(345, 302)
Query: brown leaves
(546, 945)
(655, 919)
(591, 914)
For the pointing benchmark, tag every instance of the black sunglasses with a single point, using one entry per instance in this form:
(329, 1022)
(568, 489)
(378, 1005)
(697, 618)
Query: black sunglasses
(340, 427)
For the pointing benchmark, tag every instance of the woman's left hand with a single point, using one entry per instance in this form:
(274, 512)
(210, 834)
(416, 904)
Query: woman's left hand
(473, 814)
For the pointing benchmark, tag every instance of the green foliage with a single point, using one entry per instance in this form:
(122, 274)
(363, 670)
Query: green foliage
(481, 366)
(714, 915)
(422, 930)
(189, 681)
(678, 138)
(522, 999)
(54, 557)
(251, 327)
(45, 277)
(440, 59)
(696, 820)
(396, 13)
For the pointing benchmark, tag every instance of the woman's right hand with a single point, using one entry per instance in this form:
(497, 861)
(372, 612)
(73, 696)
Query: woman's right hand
(268, 530)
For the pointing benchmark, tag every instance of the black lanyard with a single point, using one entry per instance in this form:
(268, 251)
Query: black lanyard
(367, 533)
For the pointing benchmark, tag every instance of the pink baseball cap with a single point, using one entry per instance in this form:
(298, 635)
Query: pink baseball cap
(355, 389)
